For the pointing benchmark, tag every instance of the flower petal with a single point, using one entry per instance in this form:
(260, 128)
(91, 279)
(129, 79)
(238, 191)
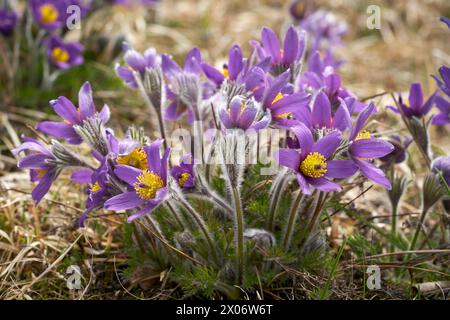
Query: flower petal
(127, 174)
(327, 145)
(123, 201)
(289, 158)
(371, 148)
(373, 173)
(304, 136)
(340, 169)
(142, 212)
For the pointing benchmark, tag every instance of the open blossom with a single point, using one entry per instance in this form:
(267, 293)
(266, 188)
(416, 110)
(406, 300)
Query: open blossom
(64, 55)
(237, 77)
(49, 14)
(282, 103)
(72, 116)
(313, 162)
(244, 114)
(42, 170)
(8, 21)
(415, 106)
(147, 189)
(137, 62)
(280, 59)
(364, 148)
(184, 172)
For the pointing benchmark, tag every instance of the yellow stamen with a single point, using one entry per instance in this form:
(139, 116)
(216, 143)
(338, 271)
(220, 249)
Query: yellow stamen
(182, 180)
(148, 184)
(278, 97)
(41, 173)
(136, 158)
(286, 115)
(60, 55)
(96, 187)
(49, 13)
(314, 165)
(363, 135)
(225, 71)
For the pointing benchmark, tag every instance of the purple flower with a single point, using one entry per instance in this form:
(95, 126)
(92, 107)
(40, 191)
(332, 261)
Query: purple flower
(282, 103)
(64, 55)
(41, 163)
(284, 58)
(244, 114)
(313, 164)
(445, 84)
(299, 9)
(237, 77)
(400, 144)
(184, 173)
(364, 148)
(49, 14)
(415, 107)
(72, 116)
(8, 21)
(443, 117)
(442, 165)
(324, 27)
(147, 189)
(136, 62)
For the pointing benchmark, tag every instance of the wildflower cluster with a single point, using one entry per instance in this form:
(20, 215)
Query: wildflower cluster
(327, 145)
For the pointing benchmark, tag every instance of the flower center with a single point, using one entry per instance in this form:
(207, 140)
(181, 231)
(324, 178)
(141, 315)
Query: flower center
(136, 158)
(96, 187)
(183, 178)
(225, 71)
(314, 165)
(278, 97)
(49, 13)
(363, 135)
(41, 173)
(60, 54)
(286, 115)
(148, 184)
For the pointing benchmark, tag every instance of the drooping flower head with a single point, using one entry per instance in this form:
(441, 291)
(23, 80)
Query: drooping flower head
(184, 172)
(72, 116)
(147, 189)
(415, 106)
(401, 145)
(45, 163)
(313, 163)
(244, 114)
(8, 21)
(64, 55)
(137, 62)
(49, 14)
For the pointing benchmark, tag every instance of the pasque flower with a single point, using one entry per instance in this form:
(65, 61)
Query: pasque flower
(284, 58)
(147, 189)
(313, 162)
(42, 165)
(72, 116)
(244, 114)
(400, 144)
(442, 165)
(364, 148)
(184, 172)
(443, 118)
(444, 84)
(64, 55)
(8, 21)
(415, 106)
(49, 14)
(137, 62)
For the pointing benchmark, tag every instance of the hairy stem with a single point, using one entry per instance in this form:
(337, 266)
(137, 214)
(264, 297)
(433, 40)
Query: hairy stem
(418, 229)
(275, 199)
(292, 218)
(238, 233)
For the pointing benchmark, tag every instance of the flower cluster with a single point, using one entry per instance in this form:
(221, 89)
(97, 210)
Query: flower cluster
(329, 144)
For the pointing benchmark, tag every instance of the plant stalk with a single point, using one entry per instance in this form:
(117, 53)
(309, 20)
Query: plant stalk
(292, 218)
(238, 233)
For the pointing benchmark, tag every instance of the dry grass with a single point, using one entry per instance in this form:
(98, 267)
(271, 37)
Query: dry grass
(34, 240)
